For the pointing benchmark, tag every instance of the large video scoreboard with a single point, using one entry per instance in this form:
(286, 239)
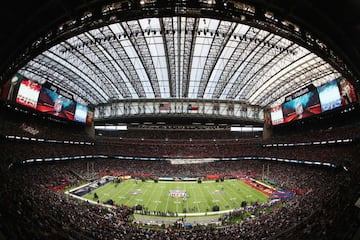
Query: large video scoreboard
(43, 99)
(312, 100)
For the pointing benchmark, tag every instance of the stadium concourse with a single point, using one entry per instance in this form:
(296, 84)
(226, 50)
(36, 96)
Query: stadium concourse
(264, 92)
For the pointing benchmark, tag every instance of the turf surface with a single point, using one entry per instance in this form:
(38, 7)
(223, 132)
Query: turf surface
(200, 197)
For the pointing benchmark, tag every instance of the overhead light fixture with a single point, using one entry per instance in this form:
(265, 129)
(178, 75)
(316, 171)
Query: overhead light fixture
(14, 80)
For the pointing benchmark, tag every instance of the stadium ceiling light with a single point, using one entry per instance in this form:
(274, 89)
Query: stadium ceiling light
(14, 80)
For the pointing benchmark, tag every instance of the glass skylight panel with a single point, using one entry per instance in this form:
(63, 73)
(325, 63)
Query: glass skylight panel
(142, 75)
(133, 93)
(92, 32)
(76, 70)
(116, 28)
(201, 49)
(164, 89)
(277, 65)
(115, 75)
(231, 44)
(286, 42)
(204, 40)
(214, 78)
(156, 39)
(157, 50)
(213, 24)
(230, 83)
(195, 76)
(261, 64)
(130, 87)
(160, 66)
(137, 64)
(104, 70)
(159, 62)
(133, 56)
(285, 70)
(162, 75)
(294, 84)
(158, 58)
(241, 29)
(216, 74)
(241, 76)
(125, 42)
(144, 81)
(262, 34)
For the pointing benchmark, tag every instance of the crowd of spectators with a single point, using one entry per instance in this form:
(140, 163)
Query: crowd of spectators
(351, 131)
(329, 153)
(31, 209)
(22, 150)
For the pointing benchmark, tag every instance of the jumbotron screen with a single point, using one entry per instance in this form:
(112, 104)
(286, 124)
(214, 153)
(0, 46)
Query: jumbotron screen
(33, 95)
(336, 93)
(52, 103)
(81, 113)
(276, 115)
(347, 92)
(302, 107)
(28, 93)
(329, 96)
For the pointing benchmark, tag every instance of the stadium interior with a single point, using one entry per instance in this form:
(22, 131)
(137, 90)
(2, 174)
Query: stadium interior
(263, 92)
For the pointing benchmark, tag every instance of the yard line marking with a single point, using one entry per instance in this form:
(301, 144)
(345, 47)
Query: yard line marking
(206, 200)
(167, 204)
(152, 198)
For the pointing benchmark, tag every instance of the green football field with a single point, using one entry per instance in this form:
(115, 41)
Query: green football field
(200, 197)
